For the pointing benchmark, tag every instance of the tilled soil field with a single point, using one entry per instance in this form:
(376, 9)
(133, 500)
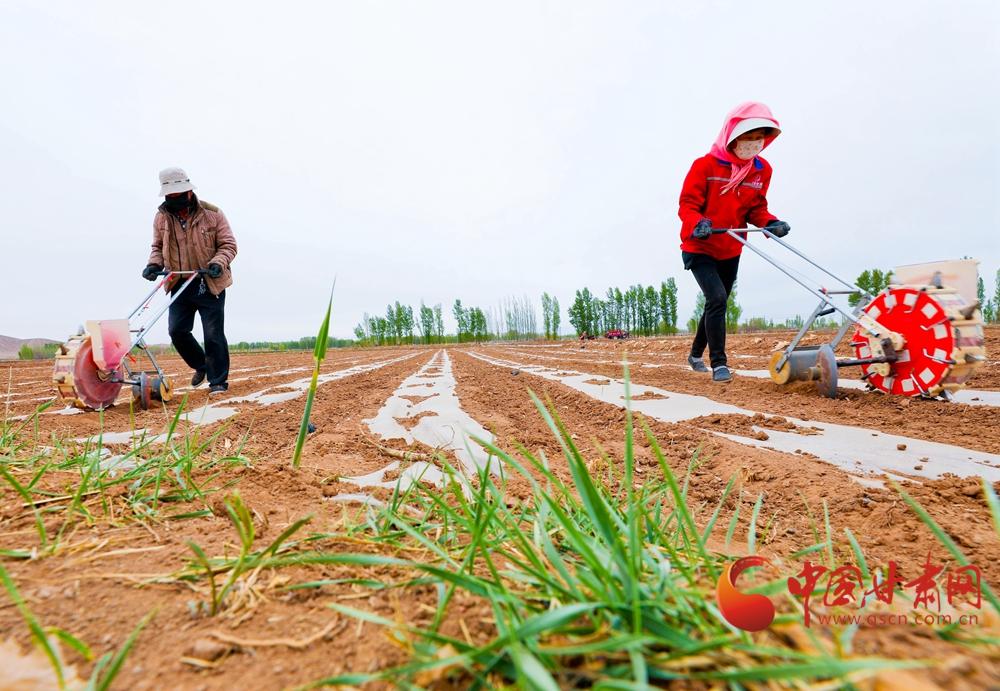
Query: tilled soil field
(787, 449)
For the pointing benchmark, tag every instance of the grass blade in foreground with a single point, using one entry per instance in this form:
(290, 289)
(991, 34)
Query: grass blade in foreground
(319, 354)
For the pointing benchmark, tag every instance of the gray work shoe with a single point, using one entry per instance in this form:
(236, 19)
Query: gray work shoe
(198, 378)
(721, 374)
(697, 364)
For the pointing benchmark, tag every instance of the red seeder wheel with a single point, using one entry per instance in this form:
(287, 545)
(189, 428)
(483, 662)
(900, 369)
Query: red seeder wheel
(926, 318)
(78, 379)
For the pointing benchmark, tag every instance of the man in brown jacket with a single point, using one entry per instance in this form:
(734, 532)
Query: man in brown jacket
(188, 235)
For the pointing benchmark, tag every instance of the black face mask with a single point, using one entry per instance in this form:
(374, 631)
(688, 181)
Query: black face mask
(176, 203)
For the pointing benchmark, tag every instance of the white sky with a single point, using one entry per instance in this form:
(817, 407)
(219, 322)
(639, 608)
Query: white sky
(474, 150)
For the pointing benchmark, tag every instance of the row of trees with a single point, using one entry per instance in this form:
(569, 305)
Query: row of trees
(304, 343)
(872, 281)
(514, 319)
(794, 323)
(518, 319)
(733, 313)
(550, 316)
(471, 323)
(638, 310)
(43, 352)
(398, 326)
(991, 307)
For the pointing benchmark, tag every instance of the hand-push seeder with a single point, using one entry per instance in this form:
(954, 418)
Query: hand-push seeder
(91, 367)
(922, 339)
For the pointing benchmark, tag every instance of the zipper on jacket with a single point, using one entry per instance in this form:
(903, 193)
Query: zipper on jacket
(180, 257)
(184, 226)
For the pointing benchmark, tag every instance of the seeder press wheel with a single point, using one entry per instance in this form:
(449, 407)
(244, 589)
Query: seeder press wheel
(79, 380)
(149, 387)
(943, 337)
(807, 363)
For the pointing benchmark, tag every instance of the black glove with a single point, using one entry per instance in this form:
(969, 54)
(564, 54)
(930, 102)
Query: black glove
(214, 270)
(702, 229)
(779, 228)
(152, 272)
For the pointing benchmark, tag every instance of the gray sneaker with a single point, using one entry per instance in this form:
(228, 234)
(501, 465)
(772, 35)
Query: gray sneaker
(721, 374)
(697, 364)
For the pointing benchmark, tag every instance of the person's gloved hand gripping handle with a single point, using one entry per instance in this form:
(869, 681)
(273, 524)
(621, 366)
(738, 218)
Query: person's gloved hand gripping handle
(151, 272)
(703, 229)
(779, 228)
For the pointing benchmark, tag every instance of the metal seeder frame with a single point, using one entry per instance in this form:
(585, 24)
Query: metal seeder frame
(819, 362)
(138, 335)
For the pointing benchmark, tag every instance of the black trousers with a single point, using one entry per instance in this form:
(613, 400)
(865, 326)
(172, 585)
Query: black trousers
(715, 278)
(214, 359)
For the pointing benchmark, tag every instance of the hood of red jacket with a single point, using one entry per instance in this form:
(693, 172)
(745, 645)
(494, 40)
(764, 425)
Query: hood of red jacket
(744, 111)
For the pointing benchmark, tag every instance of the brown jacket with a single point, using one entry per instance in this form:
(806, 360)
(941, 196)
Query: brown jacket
(204, 238)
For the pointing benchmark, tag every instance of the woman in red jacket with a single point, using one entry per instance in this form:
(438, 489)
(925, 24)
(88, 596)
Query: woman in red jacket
(727, 188)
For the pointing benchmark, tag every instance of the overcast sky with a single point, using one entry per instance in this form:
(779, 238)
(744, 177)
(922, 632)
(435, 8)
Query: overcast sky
(440, 150)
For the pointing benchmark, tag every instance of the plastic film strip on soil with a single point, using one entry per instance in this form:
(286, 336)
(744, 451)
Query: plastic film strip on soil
(428, 396)
(857, 450)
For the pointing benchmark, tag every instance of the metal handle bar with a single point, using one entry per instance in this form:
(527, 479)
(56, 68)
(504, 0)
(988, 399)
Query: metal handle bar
(734, 233)
(784, 244)
(720, 231)
(159, 284)
(168, 272)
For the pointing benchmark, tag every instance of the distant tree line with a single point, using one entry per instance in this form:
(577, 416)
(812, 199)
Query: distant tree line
(398, 325)
(733, 312)
(637, 309)
(991, 307)
(872, 281)
(514, 319)
(304, 343)
(471, 323)
(550, 316)
(45, 351)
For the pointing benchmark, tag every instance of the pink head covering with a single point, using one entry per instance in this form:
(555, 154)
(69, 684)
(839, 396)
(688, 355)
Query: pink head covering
(756, 115)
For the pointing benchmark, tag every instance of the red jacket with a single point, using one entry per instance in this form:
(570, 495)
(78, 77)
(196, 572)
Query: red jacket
(700, 199)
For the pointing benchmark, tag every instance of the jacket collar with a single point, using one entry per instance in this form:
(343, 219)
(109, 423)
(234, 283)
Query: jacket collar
(196, 209)
(757, 164)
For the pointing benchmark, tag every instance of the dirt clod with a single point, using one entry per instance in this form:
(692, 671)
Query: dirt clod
(208, 649)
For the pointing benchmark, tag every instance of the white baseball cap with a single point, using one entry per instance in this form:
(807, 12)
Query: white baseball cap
(174, 180)
(745, 126)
